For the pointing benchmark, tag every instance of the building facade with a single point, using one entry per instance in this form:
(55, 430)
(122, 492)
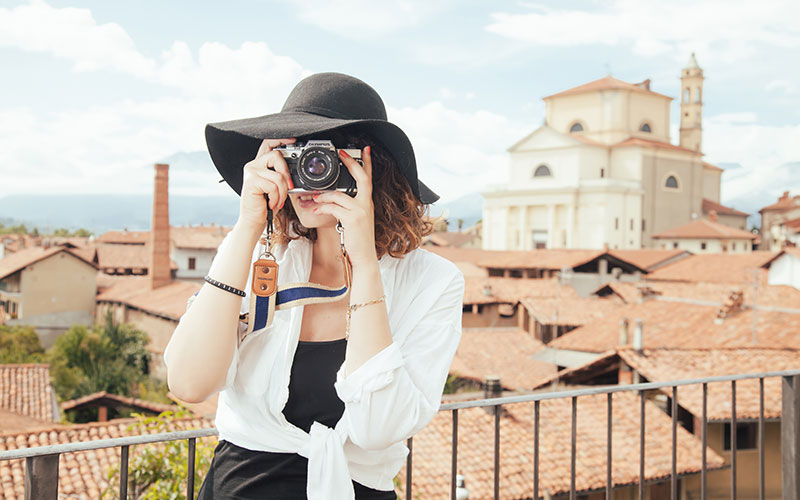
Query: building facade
(602, 171)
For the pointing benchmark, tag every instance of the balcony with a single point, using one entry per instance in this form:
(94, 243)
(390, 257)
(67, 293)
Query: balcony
(547, 452)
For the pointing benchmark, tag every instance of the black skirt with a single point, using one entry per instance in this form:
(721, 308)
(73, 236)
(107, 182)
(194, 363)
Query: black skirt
(239, 473)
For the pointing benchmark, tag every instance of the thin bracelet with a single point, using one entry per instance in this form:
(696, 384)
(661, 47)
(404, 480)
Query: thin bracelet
(353, 307)
(225, 287)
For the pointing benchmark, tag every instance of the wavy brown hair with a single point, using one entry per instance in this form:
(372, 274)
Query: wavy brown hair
(400, 222)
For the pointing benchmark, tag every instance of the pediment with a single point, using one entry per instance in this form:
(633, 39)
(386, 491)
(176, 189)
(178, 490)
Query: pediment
(544, 137)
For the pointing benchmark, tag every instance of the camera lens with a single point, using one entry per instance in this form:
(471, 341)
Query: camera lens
(317, 166)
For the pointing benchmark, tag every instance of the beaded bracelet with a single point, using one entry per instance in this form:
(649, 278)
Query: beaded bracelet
(225, 287)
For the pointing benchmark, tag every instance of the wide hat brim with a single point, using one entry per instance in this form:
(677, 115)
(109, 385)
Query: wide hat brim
(232, 144)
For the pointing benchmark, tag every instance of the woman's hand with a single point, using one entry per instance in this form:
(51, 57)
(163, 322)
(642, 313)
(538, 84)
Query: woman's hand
(267, 174)
(357, 214)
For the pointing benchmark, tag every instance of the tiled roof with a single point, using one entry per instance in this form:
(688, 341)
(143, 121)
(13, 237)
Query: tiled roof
(766, 295)
(432, 448)
(512, 290)
(121, 400)
(25, 389)
(208, 237)
(15, 242)
(14, 422)
(627, 292)
(117, 256)
(17, 261)
(721, 267)
(519, 259)
(606, 83)
(168, 301)
(646, 258)
(709, 205)
(679, 324)
(712, 167)
(504, 352)
(84, 474)
(449, 238)
(705, 229)
(660, 365)
(651, 143)
(571, 311)
(785, 202)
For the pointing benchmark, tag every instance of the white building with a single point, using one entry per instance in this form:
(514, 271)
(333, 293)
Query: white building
(602, 170)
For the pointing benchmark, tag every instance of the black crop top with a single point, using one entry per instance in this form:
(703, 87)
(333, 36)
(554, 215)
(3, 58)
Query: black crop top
(237, 472)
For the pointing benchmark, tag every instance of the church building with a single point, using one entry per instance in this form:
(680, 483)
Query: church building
(602, 171)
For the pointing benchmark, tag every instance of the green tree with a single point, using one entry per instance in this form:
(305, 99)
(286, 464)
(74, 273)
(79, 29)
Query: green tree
(111, 357)
(159, 471)
(20, 344)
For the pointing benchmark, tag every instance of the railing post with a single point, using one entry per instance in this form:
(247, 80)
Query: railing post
(790, 437)
(41, 477)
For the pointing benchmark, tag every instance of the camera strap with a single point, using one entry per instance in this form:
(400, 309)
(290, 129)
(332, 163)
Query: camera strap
(267, 296)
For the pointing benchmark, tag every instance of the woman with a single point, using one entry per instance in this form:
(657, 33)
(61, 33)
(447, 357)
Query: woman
(318, 403)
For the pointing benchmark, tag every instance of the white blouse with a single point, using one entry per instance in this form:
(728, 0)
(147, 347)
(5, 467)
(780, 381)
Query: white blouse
(389, 398)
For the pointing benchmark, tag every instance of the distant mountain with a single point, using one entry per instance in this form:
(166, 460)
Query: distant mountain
(101, 213)
(468, 208)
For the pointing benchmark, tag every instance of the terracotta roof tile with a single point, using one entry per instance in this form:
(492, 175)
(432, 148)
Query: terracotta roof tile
(721, 267)
(606, 83)
(651, 143)
(208, 237)
(449, 238)
(137, 403)
(512, 290)
(521, 259)
(117, 256)
(14, 422)
(504, 352)
(785, 202)
(712, 167)
(25, 389)
(432, 447)
(17, 261)
(709, 205)
(168, 301)
(660, 365)
(706, 229)
(679, 324)
(647, 258)
(81, 474)
(570, 311)
(766, 295)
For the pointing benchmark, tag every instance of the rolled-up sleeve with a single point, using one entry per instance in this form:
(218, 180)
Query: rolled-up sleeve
(397, 392)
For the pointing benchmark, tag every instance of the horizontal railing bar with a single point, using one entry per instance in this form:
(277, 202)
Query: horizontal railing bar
(106, 443)
(540, 396)
(211, 431)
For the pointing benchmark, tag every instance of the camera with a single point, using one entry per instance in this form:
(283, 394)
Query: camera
(314, 165)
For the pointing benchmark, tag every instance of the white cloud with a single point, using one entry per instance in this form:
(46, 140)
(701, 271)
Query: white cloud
(365, 19)
(719, 29)
(459, 152)
(785, 86)
(759, 149)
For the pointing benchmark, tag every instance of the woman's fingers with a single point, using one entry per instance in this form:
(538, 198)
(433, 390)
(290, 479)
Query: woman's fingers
(277, 162)
(337, 211)
(279, 180)
(271, 189)
(359, 173)
(338, 198)
(270, 144)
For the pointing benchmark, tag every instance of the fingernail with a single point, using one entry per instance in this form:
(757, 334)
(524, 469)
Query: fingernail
(369, 151)
(344, 153)
(291, 184)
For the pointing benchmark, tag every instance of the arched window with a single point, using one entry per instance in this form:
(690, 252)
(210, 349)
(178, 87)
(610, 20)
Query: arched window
(672, 182)
(686, 94)
(542, 171)
(576, 127)
(645, 127)
(697, 94)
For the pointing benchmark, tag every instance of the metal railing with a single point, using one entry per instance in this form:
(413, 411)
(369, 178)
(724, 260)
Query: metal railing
(41, 463)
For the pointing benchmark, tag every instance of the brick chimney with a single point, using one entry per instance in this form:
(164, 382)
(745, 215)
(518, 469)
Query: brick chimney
(159, 271)
(712, 216)
(732, 305)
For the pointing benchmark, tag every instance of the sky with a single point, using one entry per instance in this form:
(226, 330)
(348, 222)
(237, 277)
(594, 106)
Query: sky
(93, 93)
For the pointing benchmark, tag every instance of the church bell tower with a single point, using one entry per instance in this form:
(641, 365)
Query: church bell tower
(692, 106)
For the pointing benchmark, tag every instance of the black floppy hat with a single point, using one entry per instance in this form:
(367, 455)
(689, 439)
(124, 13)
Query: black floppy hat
(319, 103)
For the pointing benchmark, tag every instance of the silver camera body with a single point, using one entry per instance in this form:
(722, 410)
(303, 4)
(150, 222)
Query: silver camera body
(314, 165)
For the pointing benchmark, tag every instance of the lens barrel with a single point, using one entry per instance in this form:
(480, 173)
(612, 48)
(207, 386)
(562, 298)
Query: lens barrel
(318, 168)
